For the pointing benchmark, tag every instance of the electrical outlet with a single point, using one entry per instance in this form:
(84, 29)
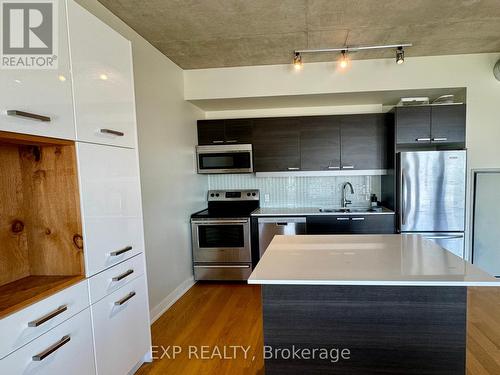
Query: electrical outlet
(266, 198)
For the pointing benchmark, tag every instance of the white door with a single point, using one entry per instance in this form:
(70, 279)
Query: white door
(103, 81)
(66, 349)
(121, 329)
(40, 102)
(111, 205)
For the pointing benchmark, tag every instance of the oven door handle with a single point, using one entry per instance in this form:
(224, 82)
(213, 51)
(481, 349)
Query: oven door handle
(223, 266)
(208, 222)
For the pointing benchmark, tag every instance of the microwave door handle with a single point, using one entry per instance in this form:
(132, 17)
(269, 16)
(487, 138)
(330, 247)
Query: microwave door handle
(445, 237)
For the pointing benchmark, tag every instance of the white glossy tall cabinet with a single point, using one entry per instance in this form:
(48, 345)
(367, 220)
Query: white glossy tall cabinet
(105, 327)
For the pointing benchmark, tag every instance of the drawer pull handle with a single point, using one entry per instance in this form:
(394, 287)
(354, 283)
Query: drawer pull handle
(293, 168)
(49, 316)
(358, 218)
(123, 275)
(439, 139)
(217, 141)
(423, 139)
(120, 252)
(113, 132)
(125, 299)
(32, 116)
(232, 141)
(333, 167)
(348, 167)
(41, 356)
(342, 218)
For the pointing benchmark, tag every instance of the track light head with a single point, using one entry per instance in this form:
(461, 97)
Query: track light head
(297, 61)
(400, 55)
(344, 60)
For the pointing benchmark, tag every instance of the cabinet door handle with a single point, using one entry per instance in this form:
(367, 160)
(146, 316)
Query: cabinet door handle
(32, 116)
(423, 139)
(342, 219)
(49, 316)
(120, 252)
(333, 167)
(41, 356)
(125, 299)
(217, 141)
(293, 169)
(232, 141)
(348, 167)
(113, 132)
(358, 219)
(439, 139)
(123, 275)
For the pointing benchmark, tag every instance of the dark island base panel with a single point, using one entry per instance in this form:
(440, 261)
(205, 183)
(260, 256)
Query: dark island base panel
(388, 330)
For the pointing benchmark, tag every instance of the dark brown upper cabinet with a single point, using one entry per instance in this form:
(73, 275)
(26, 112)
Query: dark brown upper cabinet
(213, 132)
(364, 142)
(448, 124)
(276, 144)
(431, 125)
(413, 125)
(320, 143)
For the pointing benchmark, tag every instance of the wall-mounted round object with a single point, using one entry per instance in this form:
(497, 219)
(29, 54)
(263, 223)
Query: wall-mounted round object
(496, 70)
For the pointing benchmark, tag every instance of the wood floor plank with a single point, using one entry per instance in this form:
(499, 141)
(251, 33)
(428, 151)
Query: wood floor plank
(230, 314)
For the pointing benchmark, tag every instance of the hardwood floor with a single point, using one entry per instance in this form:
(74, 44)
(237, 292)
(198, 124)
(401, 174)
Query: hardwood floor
(218, 315)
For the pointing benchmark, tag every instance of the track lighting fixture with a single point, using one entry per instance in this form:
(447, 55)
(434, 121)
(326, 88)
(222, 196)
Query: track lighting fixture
(344, 60)
(344, 51)
(400, 55)
(297, 61)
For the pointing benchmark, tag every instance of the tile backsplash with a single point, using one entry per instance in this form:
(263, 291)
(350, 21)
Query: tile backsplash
(300, 191)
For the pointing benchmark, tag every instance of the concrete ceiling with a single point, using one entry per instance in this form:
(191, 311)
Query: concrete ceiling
(222, 33)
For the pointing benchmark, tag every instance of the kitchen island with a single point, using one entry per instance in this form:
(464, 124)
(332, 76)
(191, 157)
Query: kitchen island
(364, 304)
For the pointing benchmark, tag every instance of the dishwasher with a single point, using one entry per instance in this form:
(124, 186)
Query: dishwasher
(272, 226)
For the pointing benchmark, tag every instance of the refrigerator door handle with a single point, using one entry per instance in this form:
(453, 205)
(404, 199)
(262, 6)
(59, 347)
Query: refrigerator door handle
(403, 198)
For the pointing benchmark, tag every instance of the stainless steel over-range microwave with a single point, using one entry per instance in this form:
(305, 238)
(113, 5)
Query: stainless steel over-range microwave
(225, 159)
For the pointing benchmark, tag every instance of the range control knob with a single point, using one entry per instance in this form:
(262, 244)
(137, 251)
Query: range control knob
(217, 194)
(248, 194)
(253, 194)
(212, 195)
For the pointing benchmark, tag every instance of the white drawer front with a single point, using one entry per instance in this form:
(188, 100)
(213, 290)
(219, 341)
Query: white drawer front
(71, 350)
(111, 200)
(122, 332)
(40, 92)
(103, 80)
(44, 315)
(114, 278)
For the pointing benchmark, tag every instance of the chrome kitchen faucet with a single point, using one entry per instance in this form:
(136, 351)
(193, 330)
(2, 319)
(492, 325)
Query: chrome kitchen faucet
(346, 201)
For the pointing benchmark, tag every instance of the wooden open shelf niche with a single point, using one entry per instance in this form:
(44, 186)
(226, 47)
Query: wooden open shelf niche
(41, 246)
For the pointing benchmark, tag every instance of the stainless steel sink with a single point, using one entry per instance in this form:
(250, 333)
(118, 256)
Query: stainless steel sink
(347, 210)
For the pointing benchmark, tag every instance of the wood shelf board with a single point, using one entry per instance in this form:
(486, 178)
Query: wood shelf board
(28, 290)
(27, 139)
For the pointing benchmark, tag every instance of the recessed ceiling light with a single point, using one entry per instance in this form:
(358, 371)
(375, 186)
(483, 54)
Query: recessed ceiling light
(103, 77)
(62, 78)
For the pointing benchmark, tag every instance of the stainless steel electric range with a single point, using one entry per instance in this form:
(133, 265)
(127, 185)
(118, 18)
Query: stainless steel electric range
(221, 235)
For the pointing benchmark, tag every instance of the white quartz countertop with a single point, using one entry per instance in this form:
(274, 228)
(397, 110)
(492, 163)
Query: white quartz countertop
(400, 260)
(313, 211)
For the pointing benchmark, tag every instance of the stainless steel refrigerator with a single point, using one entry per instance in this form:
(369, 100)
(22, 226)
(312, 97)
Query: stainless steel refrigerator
(431, 196)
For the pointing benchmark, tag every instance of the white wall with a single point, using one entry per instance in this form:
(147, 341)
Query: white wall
(474, 72)
(170, 187)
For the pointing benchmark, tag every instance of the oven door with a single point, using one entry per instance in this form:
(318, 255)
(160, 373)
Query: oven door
(224, 159)
(223, 241)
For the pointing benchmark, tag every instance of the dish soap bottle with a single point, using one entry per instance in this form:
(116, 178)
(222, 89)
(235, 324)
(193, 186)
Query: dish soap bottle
(374, 201)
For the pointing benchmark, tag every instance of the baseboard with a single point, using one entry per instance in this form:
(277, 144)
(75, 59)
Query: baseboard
(169, 300)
